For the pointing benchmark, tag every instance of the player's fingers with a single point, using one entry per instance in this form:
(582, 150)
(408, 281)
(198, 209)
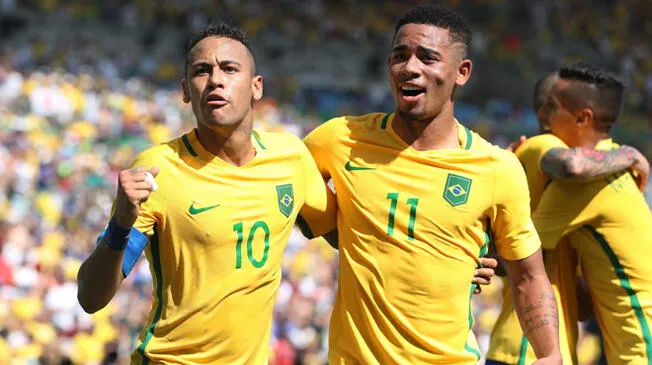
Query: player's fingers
(136, 169)
(138, 196)
(130, 176)
(154, 170)
(484, 272)
(142, 185)
(477, 290)
(641, 181)
(482, 280)
(488, 262)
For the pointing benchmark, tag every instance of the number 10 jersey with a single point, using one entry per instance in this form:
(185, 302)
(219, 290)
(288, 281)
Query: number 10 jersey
(412, 226)
(216, 239)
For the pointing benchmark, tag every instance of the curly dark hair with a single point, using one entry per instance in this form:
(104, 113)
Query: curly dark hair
(220, 30)
(441, 17)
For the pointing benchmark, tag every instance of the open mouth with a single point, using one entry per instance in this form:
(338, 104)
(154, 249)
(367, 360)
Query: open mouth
(411, 91)
(216, 100)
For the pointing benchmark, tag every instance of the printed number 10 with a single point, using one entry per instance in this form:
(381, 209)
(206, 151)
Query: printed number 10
(239, 229)
(412, 202)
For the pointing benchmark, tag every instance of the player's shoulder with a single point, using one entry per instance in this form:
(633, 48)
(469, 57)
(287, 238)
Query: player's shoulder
(284, 142)
(541, 141)
(159, 154)
(503, 159)
(348, 123)
(268, 139)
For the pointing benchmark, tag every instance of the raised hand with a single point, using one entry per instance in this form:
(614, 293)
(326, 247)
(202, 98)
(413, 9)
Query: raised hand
(134, 188)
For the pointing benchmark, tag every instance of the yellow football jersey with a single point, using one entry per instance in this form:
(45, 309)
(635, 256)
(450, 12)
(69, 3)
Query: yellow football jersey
(508, 344)
(412, 226)
(217, 233)
(614, 216)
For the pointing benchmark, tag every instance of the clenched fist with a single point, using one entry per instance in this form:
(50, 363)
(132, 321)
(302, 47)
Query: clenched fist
(133, 190)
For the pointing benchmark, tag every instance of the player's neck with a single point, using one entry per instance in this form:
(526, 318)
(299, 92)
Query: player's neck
(592, 138)
(437, 133)
(232, 145)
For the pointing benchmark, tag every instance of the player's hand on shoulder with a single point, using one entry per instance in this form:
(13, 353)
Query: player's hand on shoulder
(516, 144)
(483, 275)
(641, 167)
(134, 188)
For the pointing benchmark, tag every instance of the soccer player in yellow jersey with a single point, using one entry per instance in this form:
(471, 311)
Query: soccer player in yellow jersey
(508, 345)
(609, 213)
(215, 229)
(420, 198)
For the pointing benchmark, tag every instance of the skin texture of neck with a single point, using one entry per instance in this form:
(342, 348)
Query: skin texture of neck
(590, 139)
(439, 132)
(230, 143)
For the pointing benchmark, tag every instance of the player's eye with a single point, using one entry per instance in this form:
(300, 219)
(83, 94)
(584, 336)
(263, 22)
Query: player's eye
(429, 58)
(230, 69)
(399, 57)
(201, 70)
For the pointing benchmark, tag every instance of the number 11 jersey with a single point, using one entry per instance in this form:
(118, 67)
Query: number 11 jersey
(412, 226)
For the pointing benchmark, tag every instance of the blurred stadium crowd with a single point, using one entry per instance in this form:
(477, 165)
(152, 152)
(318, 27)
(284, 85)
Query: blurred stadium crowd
(84, 86)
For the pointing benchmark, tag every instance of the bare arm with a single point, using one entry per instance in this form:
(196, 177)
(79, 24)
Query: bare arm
(536, 306)
(100, 275)
(585, 163)
(99, 278)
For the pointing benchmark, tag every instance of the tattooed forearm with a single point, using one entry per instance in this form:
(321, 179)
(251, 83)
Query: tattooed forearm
(535, 304)
(540, 314)
(583, 163)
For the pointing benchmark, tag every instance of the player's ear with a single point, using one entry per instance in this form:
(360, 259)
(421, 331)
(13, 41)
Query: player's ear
(257, 87)
(585, 117)
(464, 69)
(186, 91)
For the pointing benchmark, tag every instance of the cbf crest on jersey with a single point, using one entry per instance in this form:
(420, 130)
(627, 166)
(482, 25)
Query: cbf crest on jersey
(285, 195)
(457, 189)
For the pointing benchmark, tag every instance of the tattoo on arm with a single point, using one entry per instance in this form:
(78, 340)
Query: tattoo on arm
(583, 163)
(542, 313)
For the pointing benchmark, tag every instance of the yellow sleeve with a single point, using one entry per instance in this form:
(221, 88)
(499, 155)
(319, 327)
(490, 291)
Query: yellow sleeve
(318, 142)
(318, 215)
(513, 232)
(530, 154)
(151, 211)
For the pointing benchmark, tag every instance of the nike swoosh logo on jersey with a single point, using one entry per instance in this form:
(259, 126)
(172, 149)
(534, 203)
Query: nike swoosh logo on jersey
(350, 167)
(192, 210)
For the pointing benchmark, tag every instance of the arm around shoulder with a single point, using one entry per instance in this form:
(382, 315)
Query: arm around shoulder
(586, 163)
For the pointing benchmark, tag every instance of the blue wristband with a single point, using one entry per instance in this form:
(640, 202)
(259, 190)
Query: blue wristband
(116, 237)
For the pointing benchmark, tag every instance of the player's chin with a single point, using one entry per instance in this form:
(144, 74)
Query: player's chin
(411, 112)
(218, 118)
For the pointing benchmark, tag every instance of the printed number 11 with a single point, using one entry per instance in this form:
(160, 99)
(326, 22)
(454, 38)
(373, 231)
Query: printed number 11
(412, 202)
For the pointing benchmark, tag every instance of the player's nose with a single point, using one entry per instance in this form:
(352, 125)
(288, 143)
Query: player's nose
(216, 79)
(411, 68)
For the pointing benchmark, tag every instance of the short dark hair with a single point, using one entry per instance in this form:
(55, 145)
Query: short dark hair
(220, 30)
(441, 17)
(542, 90)
(595, 88)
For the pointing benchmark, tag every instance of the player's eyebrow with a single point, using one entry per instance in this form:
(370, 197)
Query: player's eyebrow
(221, 63)
(429, 50)
(229, 62)
(199, 63)
(419, 49)
(399, 48)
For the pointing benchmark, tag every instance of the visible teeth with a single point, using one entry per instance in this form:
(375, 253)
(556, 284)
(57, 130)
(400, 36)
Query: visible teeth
(411, 88)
